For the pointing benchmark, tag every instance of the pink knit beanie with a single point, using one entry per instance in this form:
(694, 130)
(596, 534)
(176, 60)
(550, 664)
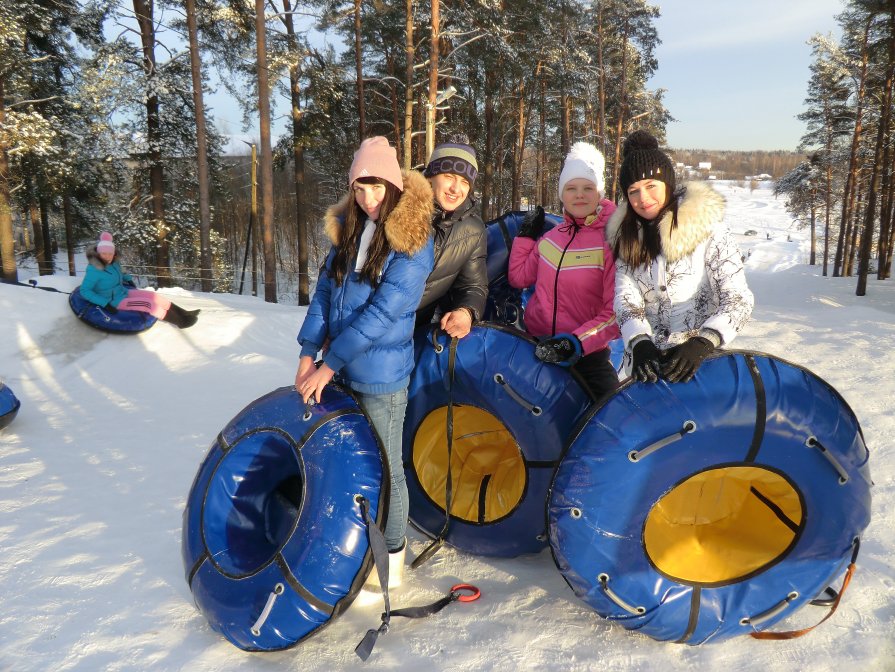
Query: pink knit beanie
(105, 243)
(376, 158)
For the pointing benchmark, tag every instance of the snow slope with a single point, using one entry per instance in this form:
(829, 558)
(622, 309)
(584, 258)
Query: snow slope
(95, 470)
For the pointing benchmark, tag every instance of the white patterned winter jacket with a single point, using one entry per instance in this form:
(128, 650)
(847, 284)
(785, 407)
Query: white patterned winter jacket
(698, 282)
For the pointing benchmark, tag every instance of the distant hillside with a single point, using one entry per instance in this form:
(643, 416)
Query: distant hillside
(734, 165)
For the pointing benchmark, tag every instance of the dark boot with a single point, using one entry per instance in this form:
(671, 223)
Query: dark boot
(180, 317)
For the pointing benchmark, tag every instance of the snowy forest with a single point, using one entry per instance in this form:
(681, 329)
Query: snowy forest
(103, 124)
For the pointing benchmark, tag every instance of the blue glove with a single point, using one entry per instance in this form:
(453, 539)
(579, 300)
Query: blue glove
(562, 349)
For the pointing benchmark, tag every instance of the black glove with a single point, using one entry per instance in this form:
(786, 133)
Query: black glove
(682, 361)
(533, 224)
(562, 349)
(109, 308)
(645, 364)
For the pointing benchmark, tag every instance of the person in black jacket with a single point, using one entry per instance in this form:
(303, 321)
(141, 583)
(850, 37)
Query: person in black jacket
(458, 284)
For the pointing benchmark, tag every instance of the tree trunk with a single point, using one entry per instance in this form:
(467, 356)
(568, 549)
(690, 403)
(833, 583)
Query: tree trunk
(601, 83)
(851, 234)
(542, 164)
(69, 235)
(623, 103)
(884, 120)
(359, 72)
(40, 245)
(812, 261)
(393, 94)
(886, 263)
(7, 239)
(488, 173)
(205, 260)
(433, 78)
(266, 162)
(848, 197)
(143, 11)
(886, 207)
(518, 147)
(410, 52)
(828, 209)
(522, 120)
(298, 159)
(49, 263)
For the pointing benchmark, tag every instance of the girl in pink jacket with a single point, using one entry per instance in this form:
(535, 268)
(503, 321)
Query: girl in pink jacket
(573, 272)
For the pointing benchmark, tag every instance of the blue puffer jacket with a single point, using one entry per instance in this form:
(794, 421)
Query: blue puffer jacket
(104, 283)
(371, 330)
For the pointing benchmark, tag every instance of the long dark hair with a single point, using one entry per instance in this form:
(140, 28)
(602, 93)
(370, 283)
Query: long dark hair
(349, 235)
(638, 249)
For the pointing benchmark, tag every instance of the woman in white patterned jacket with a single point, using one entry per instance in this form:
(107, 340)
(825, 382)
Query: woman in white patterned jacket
(680, 286)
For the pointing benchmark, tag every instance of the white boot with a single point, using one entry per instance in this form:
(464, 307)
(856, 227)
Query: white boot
(371, 592)
(396, 567)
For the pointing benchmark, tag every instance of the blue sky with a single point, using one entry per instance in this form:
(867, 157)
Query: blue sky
(736, 72)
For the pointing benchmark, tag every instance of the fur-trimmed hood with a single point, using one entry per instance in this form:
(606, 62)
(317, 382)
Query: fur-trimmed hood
(700, 209)
(407, 227)
(94, 260)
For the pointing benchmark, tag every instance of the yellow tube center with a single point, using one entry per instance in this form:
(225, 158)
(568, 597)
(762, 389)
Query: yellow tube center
(487, 469)
(723, 525)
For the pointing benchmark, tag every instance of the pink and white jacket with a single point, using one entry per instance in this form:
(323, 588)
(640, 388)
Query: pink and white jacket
(573, 272)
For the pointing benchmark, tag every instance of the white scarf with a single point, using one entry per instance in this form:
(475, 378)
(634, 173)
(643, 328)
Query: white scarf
(365, 238)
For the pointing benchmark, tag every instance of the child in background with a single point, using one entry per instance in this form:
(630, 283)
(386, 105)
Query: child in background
(105, 285)
(573, 272)
(365, 304)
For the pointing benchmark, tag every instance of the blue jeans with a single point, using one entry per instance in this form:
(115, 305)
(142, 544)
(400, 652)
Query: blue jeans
(386, 413)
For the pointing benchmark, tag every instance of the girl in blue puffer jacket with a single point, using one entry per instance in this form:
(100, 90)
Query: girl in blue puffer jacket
(365, 303)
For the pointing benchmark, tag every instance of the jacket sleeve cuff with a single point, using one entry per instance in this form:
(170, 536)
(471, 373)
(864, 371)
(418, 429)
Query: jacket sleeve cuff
(333, 362)
(309, 350)
(712, 336)
(471, 311)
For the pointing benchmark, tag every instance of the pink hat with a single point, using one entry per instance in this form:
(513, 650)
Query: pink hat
(376, 158)
(105, 243)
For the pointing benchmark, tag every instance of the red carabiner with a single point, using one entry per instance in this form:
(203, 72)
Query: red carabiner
(475, 593)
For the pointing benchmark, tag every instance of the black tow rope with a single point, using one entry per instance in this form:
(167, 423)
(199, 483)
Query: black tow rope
(380, 561)
(462, 592)
(33, 284)
(434, 547)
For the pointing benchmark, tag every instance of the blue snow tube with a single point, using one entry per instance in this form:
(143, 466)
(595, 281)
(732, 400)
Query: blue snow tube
(699, 511)
(511, 416)
(9, 406)
(121, 322)
(505, 303)
(274, 537)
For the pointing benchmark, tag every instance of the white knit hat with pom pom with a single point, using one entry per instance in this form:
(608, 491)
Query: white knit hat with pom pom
(584, 160)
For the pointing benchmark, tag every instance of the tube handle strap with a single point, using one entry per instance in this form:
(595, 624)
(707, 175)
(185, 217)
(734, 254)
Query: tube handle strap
(501, 380)
(792, 634)
(436, 545)
(603, 578)
(688, 427)
(380, 560)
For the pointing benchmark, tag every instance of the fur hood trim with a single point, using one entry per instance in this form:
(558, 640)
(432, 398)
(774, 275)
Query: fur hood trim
(409, 225)
(94, 260)
(699, 211)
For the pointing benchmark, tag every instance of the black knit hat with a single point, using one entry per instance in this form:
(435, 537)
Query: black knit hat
(643, 160)
(456, 156)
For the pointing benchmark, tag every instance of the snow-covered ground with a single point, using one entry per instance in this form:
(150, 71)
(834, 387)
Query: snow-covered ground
(95, 470)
